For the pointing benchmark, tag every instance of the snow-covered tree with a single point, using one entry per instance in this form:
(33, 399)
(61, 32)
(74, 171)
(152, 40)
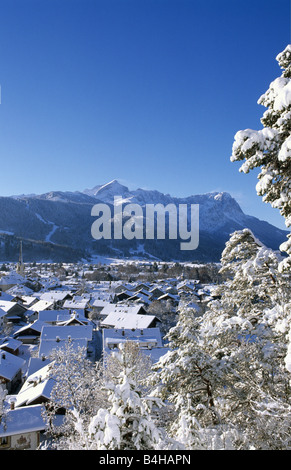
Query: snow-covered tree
(186, 378)
(136, 362)
(270, 147)
(247, 329)
(270, 150)
(128, 422)
(77, 391)
(225, 371)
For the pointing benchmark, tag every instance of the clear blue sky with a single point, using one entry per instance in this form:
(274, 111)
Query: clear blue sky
(149, 92)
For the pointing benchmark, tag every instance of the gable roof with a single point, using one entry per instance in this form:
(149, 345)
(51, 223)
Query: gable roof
(54, 337)
(10, 307)
(142, 336)
(11, 344)
(10, 365)
(54, 296)
(37, 386)
(35, 327)
(23, 420)
(122, 308)
(149, 341)
(76, 304)
(41, 305)
(50, 316)
(11, 278)
(128, 320)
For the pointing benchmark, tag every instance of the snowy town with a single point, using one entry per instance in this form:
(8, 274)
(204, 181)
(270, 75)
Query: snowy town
(45, 306)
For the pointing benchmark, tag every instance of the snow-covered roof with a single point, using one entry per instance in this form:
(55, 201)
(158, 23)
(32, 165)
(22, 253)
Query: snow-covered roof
(100, 303)
(55, 337)
(7, 305)
(10, 365)
(11, 278)
(55, 295)
(23, 420)
(121, 308)
(28, 300)
(39, 384)
(36, 326)
(10, 343)
(149, 341)
(51, 316)
(76, 304)
(128, 320)
(42, 305)
(53, 332)
(142, 335)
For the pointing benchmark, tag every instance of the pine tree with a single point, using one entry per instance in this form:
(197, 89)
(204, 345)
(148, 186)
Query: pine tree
(128, 422)
(270, 148)
(77, 390)
(186, 377)
(247, 329)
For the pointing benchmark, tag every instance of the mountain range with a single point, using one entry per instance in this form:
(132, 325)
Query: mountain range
(56, 226)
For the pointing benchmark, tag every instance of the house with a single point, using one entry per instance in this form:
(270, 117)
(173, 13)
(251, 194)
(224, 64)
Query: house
(126, 308)
(77, 304)
(54, 337)
(74, 319)
(57, 297)
(174, 299)
(140, 297)
(10, 345)
(28, 300)
(20, 429)
(37, 388)
(30, 333)
(14, 311)
(143, 285)
(55, 316)
(123, 295)
(98, 304)
(129, 320)
(156, 292)
(42, 305)
(10, 370)
(123, 287)
(10, 280)
(149, 341)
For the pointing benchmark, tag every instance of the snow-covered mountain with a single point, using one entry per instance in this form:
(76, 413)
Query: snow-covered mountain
(57, 225)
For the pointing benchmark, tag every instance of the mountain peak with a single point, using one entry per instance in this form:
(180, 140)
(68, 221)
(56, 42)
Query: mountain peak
(111, 189)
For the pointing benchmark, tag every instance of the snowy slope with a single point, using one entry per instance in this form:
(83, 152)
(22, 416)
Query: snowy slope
(60, 222)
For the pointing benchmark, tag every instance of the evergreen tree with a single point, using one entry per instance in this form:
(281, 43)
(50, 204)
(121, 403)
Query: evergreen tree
(186, 378)
(247, 329)
(128, 423)
(270, 148)
(77, 391)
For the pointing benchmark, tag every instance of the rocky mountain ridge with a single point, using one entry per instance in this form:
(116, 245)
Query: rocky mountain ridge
(56, 226)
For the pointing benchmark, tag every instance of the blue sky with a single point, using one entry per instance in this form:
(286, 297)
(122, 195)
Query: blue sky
(149, 92)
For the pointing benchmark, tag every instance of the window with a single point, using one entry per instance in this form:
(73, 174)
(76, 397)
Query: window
(5, 441)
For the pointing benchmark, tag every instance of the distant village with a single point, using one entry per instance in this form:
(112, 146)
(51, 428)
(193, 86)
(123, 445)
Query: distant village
(44, 306)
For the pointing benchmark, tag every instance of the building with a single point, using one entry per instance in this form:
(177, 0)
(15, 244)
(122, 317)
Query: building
(20, 429)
